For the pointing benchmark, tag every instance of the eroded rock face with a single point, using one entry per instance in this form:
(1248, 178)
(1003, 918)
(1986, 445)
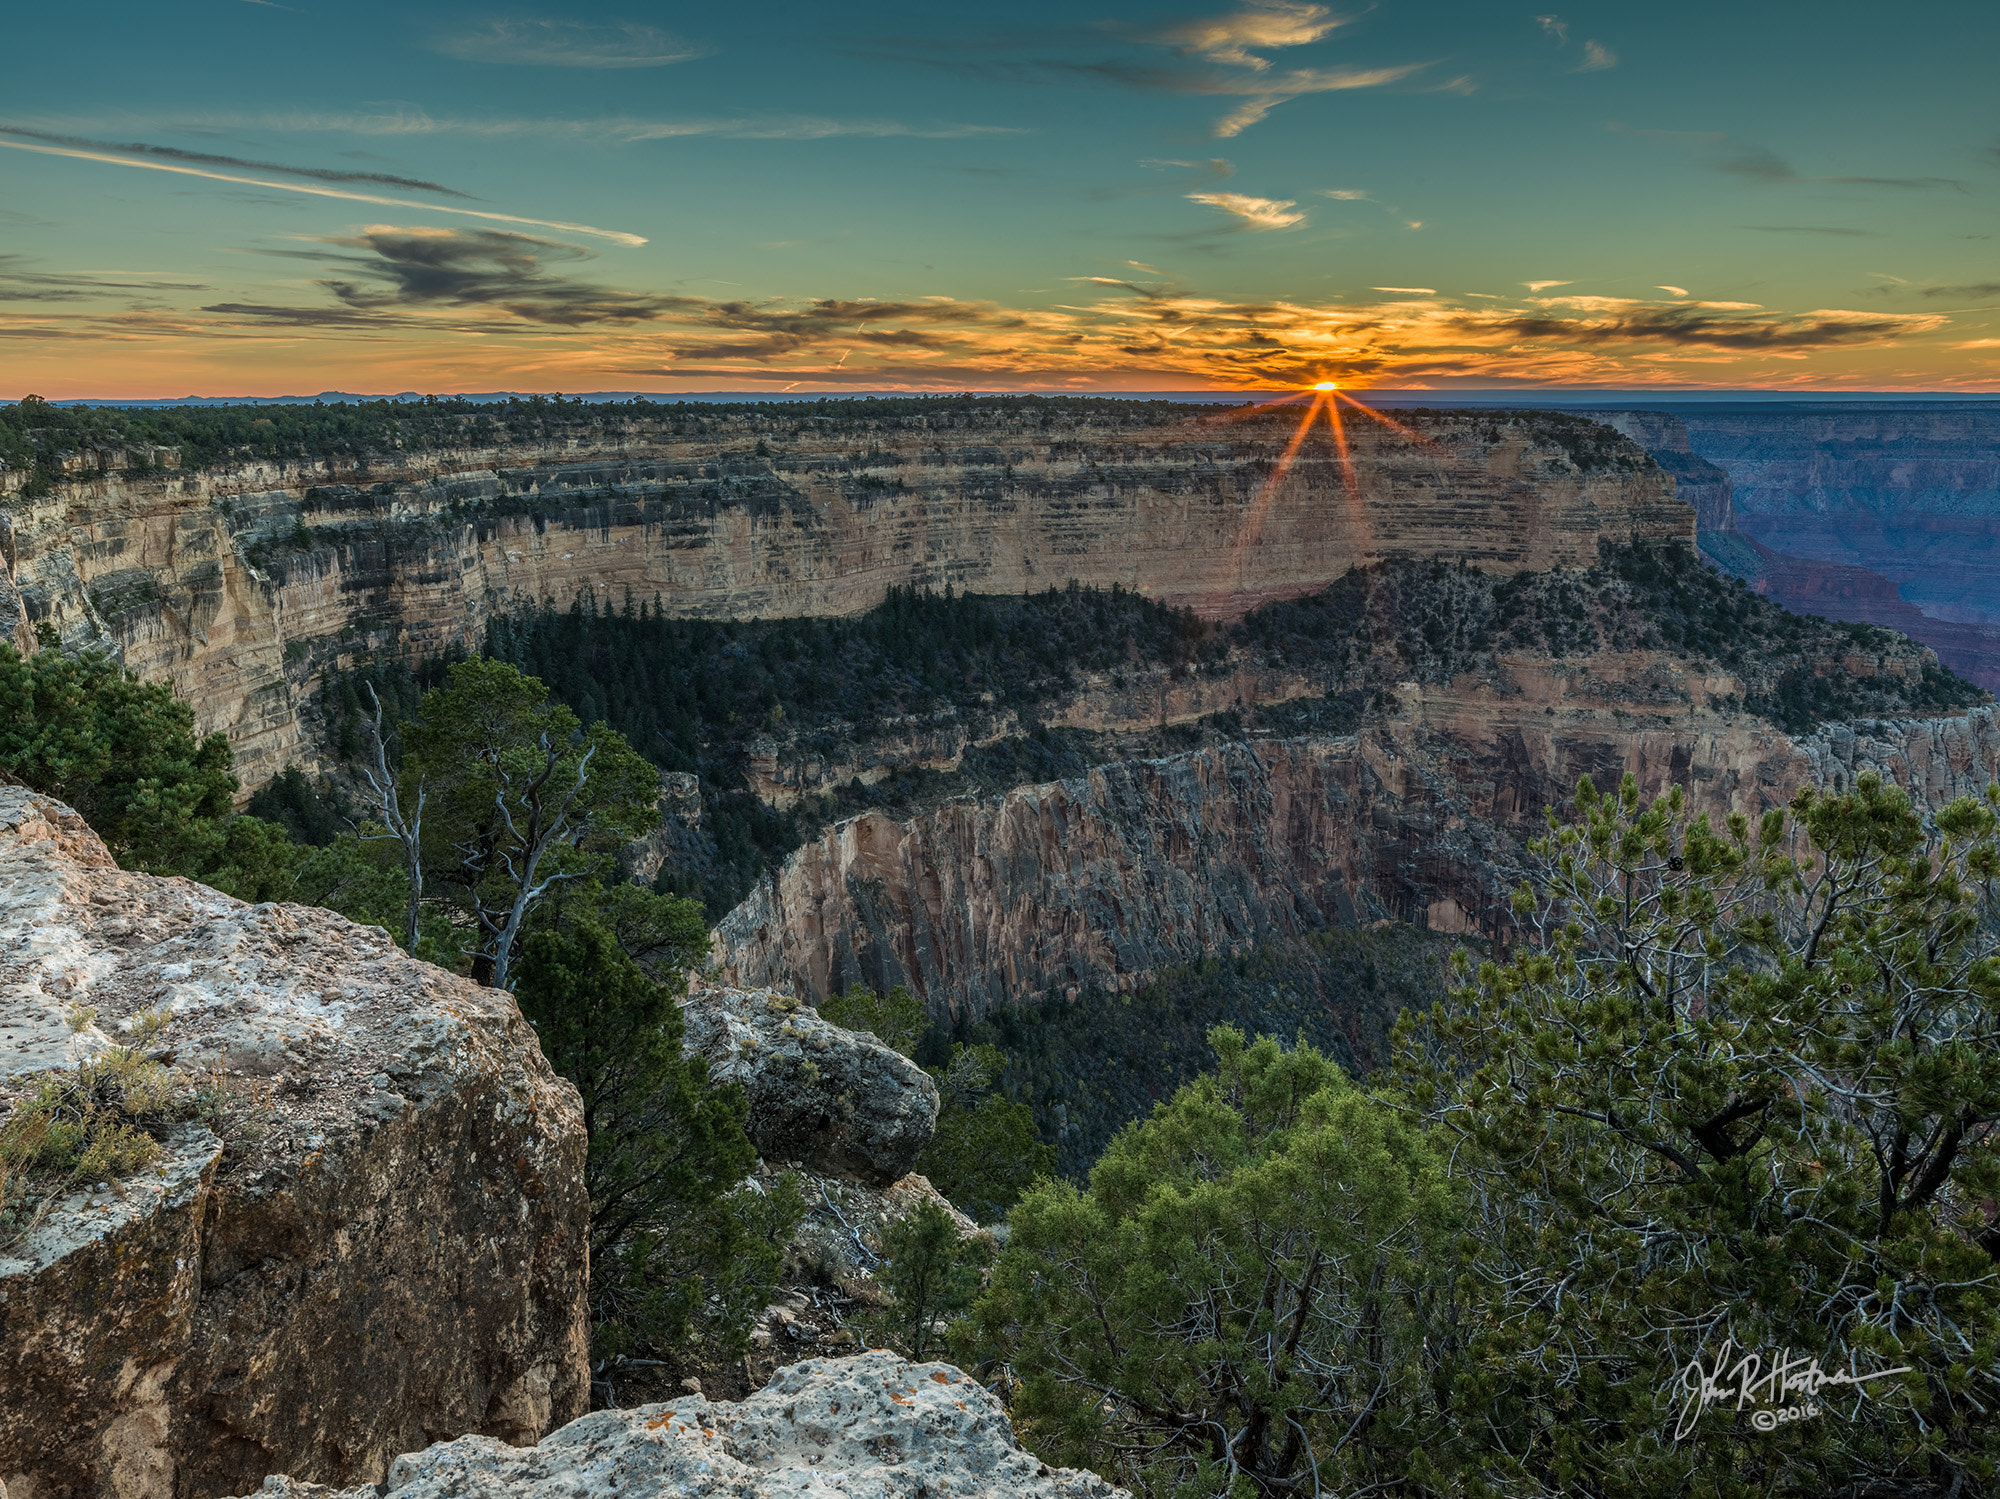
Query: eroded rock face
(832, 1100)
(870, 1427)
(384, 1246)
(1105, 878)
(242, 586)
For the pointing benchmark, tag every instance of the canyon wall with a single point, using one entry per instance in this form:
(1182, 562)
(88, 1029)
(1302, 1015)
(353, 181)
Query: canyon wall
(1107, 877)
(1701, 485)
(243, 586)
(1888, 513)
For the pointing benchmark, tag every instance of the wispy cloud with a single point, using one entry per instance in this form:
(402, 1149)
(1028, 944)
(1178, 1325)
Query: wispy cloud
(1723, 152)
(1220, 60)
(1596, 58)
(1284, 87)
(1257, 214)
(1542, 286)
(1408, 291)
(551, 43)
(1272, 24)
(1554, 26)
(1678, 326)
(20, 284)
(1809, 229)
(203, 158)
(618, 236)
(1679, 291)
(408, 120)
(1356, 195)
(1977, 291)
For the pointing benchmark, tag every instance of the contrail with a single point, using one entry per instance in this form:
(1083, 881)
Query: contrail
(616, 236)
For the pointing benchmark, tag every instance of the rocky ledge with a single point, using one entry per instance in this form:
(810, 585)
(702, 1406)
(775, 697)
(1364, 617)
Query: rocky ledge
(870, 1427)
(835, 1101)
(362, 1223)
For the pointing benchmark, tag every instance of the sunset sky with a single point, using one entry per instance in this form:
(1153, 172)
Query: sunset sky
(240, 197)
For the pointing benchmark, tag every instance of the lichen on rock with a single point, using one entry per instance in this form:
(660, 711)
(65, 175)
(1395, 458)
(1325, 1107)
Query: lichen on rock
(870, 1427)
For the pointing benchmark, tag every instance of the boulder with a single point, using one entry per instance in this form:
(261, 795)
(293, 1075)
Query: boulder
(364, 1229)
(871, 1427)
(835, 1101)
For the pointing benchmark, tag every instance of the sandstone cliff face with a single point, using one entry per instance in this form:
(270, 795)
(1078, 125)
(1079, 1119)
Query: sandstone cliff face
(1699, 484)
(385, 1246)
(242, 586)
(1104, 879)
(871, 1427)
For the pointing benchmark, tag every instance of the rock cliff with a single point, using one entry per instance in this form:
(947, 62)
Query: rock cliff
(1103, 879)
(1888, 513)
(241, 585)
(1701, 485)
(870, 1427)
(363, 1227)
(826, 1098)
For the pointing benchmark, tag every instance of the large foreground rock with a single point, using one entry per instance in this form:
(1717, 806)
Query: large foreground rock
(870, 1427)
(833, 1100)
(384, 1246)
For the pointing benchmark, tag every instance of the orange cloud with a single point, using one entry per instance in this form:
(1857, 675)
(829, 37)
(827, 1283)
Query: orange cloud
(470, 310)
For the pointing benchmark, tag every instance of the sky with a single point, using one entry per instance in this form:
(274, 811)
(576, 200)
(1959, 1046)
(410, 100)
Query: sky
(241, 197)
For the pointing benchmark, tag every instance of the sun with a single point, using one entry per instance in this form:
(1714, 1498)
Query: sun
(1326, 385)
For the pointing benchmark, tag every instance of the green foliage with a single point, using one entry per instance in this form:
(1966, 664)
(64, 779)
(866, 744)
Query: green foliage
(519, 795)
(985, 1152)
(122, 752)
(1245, 1298)
(363, 882)
(931, 1275)
(1745, 1084)
(34, 432)
(250, 859)
(694, 695)
(1091, 1065)
(681, 1258)
(90, 1123)
(1431, 621)
(292, 802)
(896, 1019)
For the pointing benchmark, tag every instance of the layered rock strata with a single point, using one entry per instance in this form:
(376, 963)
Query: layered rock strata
(832, 1100)
(1888, 513)
(366, 1229)
(871, 1427)
(1103, 879)
(242, 586)
(1702, 486)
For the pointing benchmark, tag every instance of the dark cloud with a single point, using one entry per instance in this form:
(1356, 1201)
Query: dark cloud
(206, 159)
(1694, 329)
(777, 331)
(411, 269)
(299, 317)
(19, 284)
(1978, 291)
(1810, 229)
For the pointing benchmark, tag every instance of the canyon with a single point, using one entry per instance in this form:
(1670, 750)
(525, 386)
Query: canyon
(244, 583)
(1876, 511)
(1104, 879)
